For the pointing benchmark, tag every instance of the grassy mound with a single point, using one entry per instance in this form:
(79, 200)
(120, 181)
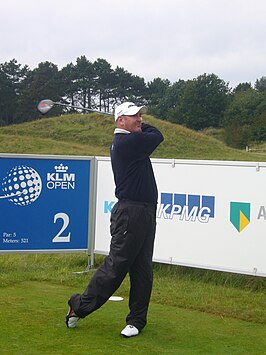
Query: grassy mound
(92, 134)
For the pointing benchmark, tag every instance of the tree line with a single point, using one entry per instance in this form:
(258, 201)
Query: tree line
(200, 103)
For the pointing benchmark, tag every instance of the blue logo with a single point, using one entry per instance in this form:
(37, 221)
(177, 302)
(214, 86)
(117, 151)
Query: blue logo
(22, 185)
(108, 205)
(186, 207)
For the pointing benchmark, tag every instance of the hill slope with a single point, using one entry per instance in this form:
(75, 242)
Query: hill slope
(92, 134)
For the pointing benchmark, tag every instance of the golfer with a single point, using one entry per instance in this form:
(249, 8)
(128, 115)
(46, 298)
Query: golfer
(133, 223)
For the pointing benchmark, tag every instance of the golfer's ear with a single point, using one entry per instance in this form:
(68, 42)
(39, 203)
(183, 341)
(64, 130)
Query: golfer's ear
(120, 121)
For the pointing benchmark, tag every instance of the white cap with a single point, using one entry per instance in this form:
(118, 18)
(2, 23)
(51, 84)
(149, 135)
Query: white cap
(129, 109)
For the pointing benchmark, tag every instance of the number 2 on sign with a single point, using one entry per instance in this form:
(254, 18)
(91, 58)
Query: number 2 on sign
(60, 238)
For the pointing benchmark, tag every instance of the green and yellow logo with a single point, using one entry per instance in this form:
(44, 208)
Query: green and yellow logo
(239, 215)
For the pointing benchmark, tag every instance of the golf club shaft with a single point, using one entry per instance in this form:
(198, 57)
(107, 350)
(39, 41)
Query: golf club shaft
(82, 108)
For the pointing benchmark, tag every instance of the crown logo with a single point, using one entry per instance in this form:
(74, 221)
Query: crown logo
(61, 168)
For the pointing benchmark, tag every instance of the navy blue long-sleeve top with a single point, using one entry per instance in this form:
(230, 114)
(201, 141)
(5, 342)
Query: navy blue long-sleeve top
(133, 173)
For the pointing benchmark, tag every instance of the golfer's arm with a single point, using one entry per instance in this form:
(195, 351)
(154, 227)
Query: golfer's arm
(151, 137)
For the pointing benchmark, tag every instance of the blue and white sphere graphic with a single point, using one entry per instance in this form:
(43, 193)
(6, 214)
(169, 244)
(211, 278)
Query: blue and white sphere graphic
(22, 185)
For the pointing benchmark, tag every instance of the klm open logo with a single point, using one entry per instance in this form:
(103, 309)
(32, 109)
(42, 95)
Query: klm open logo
(22, 185)
(186, 207)
(61, 179)
(240, 215)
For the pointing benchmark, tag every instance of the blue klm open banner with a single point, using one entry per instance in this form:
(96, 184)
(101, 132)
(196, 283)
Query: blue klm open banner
(44, 204)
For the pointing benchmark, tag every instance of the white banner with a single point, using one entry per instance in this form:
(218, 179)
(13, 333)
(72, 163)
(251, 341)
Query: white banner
(211, 214)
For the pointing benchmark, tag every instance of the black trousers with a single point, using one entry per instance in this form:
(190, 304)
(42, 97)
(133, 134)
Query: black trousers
(132, 229)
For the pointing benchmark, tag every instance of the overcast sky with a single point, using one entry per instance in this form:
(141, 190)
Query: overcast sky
(170, 39)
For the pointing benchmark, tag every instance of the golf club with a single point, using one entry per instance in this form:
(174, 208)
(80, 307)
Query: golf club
(46, 105)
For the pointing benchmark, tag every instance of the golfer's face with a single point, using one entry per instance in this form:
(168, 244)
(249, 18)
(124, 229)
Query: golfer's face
(133, 123)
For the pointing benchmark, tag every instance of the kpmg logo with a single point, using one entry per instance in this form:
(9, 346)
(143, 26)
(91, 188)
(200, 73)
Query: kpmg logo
(186, 207)
(240, 215)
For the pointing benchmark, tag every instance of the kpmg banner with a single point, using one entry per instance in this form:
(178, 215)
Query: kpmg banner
(44, 203)
(211, 214)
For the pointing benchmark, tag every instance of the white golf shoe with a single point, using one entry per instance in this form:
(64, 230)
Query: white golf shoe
(129, 331)
(71, 319)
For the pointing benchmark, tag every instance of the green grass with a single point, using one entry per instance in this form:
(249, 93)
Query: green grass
(217, 133)
(91, 134)
(192, 311)
(222, 294)
(34, 324)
